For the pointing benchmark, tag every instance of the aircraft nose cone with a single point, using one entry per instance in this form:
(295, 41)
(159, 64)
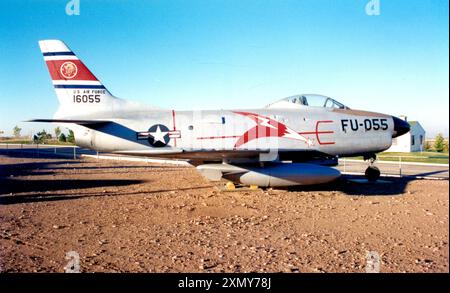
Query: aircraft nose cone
(400, 127)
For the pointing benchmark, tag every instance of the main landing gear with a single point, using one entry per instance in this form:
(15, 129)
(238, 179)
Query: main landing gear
(372, 172)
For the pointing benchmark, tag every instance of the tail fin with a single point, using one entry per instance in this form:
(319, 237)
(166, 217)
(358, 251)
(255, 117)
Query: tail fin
(79, 92)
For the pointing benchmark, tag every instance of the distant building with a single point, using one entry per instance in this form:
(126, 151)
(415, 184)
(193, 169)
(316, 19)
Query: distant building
(413, 141)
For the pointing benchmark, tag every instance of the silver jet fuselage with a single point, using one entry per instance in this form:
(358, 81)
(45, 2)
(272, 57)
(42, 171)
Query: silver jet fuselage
(332, 131)
(290, 142)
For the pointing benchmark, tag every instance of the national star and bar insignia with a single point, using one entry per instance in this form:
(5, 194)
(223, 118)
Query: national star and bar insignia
(158, 135)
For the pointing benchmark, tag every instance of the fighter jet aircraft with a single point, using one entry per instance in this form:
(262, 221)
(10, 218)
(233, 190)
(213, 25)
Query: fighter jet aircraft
(294, 141)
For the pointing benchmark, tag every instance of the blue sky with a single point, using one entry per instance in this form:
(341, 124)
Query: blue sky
(234, 54)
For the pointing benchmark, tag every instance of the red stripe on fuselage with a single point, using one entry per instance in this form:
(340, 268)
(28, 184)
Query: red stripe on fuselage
(82, 73)
(323, 132)
(219, 137)
(174, 127)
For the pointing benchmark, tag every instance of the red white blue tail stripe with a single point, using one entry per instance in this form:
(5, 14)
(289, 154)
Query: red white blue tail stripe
(66, 70)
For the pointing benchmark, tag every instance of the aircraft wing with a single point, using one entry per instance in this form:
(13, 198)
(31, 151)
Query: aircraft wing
(219, 155)
(194, 155)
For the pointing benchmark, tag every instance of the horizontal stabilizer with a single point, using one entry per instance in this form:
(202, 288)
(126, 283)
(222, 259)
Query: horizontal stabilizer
(74, 121)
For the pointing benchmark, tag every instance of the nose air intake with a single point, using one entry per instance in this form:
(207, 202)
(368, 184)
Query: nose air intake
(400, 127)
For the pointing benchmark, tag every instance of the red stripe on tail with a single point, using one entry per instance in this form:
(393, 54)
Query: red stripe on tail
(69, 70)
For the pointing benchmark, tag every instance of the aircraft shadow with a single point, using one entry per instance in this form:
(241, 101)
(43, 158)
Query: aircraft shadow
(18, 199)
(39, 168)
(33, 168)
(8, 185)
(359, 186)
(432, 173)
(41, 154)
(128, 167)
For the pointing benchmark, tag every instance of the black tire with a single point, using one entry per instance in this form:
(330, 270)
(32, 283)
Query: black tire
(372, 173)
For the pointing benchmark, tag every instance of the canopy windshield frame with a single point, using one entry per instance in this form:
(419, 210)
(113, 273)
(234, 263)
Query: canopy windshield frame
(313, 100)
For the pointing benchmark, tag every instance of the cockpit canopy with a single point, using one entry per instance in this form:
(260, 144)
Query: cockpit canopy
(312, 101)
(315, 101)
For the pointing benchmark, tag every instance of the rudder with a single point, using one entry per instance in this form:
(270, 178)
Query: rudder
(79, 92)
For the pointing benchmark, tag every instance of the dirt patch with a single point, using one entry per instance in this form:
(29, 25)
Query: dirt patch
(139, 217)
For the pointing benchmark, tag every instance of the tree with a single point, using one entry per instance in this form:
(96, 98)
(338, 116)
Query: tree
(16, 131)
(439, 143)
(71, 137)
(427, 146)
(57, 132)
(41, 136)
(62, 137)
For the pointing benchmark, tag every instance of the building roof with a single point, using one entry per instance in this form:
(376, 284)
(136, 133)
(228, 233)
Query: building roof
(415, 126)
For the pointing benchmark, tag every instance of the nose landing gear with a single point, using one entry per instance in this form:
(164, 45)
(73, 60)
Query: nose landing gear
(372, 172)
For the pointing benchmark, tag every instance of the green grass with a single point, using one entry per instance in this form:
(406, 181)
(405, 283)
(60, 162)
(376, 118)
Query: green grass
(26, 141)
(416, 157)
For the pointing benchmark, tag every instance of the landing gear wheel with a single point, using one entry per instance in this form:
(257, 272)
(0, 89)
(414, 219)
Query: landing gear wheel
(372, 173)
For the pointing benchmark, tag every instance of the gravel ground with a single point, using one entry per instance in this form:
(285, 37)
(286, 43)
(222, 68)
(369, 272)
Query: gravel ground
(138, 217)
